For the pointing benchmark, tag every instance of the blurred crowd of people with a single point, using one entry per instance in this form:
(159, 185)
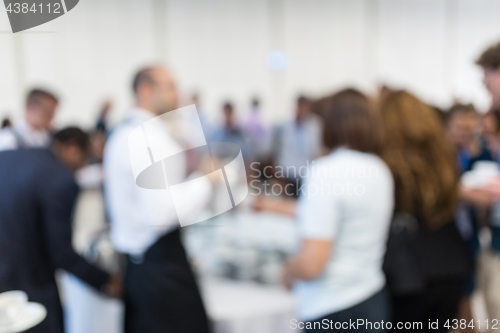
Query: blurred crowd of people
(406, 246)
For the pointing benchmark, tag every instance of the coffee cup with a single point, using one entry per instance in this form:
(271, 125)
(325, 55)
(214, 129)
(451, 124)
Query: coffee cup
(12, 305)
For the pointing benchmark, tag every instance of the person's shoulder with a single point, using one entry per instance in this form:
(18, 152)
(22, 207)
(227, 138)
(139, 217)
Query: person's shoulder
(41, 163)
(47, 161)
(357, 159)
(122, 129)
(116, 149)
(43, 155)
(52, 173)
(9, 158)
(35, 155)
(7, 139)
(120, 134)
(355, 156)
(375, 168)
(323, 161)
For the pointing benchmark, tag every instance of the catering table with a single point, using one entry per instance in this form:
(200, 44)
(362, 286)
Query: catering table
(247, 307)
(239, 256)
(242, 245)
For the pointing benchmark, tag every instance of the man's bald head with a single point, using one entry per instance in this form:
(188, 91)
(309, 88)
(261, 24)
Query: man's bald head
(144, 76)
(155, 90)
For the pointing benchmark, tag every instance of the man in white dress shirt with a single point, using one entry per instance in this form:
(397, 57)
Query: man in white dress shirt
(160, 293)
(34, 131)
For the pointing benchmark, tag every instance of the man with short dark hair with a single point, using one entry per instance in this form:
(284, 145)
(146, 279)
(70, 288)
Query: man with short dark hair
(490, 62)
(38, 195)
(34, 130)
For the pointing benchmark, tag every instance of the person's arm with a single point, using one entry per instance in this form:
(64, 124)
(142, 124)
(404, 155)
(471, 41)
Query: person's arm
(58, 197)
(309, 263)
(493, 189)
(318, 220)
(275, 205)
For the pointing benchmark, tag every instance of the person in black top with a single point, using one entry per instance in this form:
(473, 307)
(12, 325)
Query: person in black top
(37, 198)
(427, 261)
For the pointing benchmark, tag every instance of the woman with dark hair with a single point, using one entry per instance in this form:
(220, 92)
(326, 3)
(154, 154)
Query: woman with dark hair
(344, 214)
(427, 261)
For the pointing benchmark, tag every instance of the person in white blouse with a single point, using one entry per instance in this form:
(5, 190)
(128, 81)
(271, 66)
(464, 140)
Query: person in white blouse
(160, 291)
(34, 130)
(344, 213)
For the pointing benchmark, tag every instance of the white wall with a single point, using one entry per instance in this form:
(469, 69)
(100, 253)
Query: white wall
(218, 47)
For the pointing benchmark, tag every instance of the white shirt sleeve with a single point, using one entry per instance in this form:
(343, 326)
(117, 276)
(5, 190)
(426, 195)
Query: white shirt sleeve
(318, 210)
(139, 215)
(7, 139)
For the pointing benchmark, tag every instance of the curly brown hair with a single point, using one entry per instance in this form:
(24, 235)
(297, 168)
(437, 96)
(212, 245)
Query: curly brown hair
(421, 158)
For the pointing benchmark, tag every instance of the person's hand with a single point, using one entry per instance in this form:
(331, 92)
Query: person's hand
(106, 106)
(260, 203)
(215, 177)
(275, 205)
(114, 287)
(480, 197)
(263, 203)
(493, 189)
(207, 168)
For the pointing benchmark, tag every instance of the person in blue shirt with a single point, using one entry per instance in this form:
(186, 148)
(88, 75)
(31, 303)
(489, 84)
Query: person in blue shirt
(230, 131)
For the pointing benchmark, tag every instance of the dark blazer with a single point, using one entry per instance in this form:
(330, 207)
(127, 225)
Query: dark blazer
(37, 197)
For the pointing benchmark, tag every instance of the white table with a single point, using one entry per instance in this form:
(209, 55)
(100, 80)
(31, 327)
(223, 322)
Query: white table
(241, 307)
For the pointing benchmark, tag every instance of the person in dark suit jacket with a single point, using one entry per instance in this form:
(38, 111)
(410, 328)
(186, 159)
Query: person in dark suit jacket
(37, 197)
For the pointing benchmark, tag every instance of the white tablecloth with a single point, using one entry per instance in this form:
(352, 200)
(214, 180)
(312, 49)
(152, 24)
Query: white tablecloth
(247, 307)
(87, 311)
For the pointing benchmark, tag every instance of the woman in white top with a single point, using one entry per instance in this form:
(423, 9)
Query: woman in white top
(344, 212)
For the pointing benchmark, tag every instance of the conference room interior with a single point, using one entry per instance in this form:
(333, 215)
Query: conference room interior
(408, 92)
